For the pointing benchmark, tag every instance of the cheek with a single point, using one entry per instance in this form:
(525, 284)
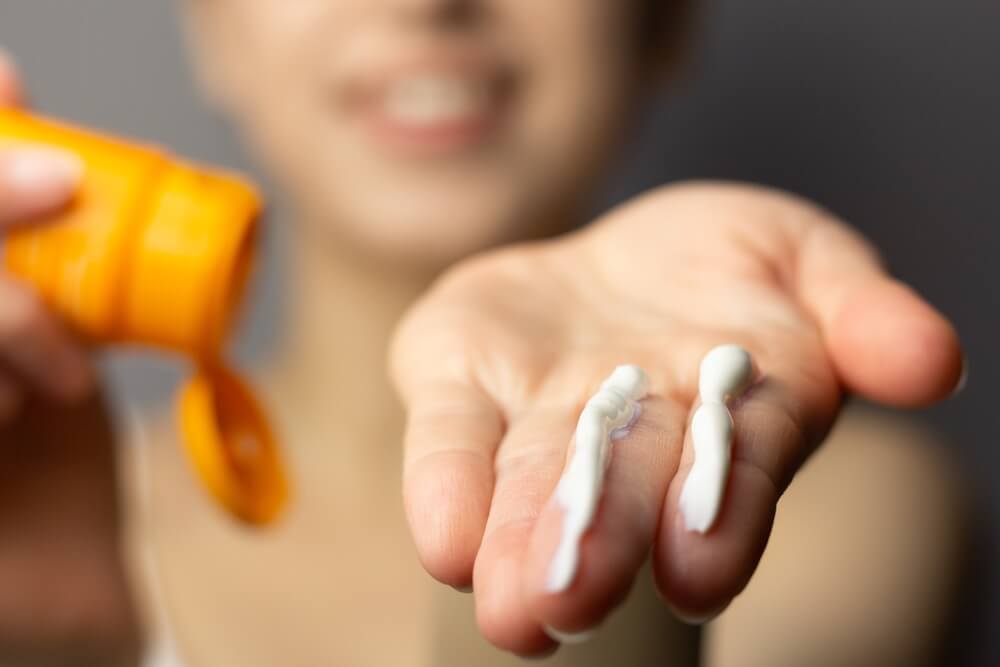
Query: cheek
(581, 84)
(283, 104)
(270, 45)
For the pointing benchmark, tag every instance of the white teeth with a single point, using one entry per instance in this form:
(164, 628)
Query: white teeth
(428, 100)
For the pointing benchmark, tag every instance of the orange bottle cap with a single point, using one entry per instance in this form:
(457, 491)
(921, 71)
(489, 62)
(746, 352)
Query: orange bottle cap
(156, 251)
(231, 445)
(188, 263)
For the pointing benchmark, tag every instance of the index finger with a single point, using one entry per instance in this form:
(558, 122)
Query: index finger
(452, 431)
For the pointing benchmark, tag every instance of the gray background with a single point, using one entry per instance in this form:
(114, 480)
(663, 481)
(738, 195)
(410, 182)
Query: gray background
(886, 112)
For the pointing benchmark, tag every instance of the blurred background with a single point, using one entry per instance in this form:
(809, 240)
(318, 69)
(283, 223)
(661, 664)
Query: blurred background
(888, 113)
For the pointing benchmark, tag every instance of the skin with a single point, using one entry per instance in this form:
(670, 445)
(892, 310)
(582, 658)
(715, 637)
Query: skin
(490, 424)
(492, 380)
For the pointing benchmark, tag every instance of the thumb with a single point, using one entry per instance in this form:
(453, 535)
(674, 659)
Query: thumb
(35, 181)
(887, 344)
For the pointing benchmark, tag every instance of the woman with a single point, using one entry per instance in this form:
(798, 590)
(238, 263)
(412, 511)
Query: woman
(412, 134)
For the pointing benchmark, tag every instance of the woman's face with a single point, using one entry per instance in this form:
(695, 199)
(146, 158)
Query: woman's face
(423, 130)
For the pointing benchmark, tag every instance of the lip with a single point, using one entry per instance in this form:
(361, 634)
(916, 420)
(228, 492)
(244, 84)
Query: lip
(480, 91)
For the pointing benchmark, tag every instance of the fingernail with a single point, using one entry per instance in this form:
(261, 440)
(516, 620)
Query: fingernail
(463, 589)
(963, 379)
(568, 637)
(698, 619)
(41, 170)
(705, 486)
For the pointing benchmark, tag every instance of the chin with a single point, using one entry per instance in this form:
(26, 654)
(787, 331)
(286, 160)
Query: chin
(434, 245)
(433, 236)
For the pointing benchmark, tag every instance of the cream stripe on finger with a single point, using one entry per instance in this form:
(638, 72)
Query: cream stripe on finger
(528, 464)
(616, 544)
(776, 424)
(725, 372)
(606, 417)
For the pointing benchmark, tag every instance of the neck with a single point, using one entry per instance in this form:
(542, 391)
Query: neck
(328, 377)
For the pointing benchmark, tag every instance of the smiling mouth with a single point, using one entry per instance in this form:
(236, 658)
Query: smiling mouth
(435, 109)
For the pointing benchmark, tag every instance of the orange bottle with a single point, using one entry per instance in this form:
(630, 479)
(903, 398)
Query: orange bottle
(154, 251)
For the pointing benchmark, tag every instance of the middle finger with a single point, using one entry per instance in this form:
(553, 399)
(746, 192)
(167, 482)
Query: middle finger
(524, 527)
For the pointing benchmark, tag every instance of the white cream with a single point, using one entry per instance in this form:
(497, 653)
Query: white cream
(605, 417)
(725, 373)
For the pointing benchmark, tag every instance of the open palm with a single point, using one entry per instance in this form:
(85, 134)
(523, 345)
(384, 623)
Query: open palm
(496, 362)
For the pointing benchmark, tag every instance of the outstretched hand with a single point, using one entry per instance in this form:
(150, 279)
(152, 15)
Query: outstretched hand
(495, 363)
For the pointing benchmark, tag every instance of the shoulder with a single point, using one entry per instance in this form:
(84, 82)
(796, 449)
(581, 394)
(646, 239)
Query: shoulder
(894, 446)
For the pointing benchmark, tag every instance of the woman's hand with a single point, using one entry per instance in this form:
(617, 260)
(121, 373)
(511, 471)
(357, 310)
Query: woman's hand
(496, 361)
(37, 353)
(63, 593)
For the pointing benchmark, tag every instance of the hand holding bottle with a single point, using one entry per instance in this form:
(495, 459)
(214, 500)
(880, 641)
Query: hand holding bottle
(62, 575)
(37, 352)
